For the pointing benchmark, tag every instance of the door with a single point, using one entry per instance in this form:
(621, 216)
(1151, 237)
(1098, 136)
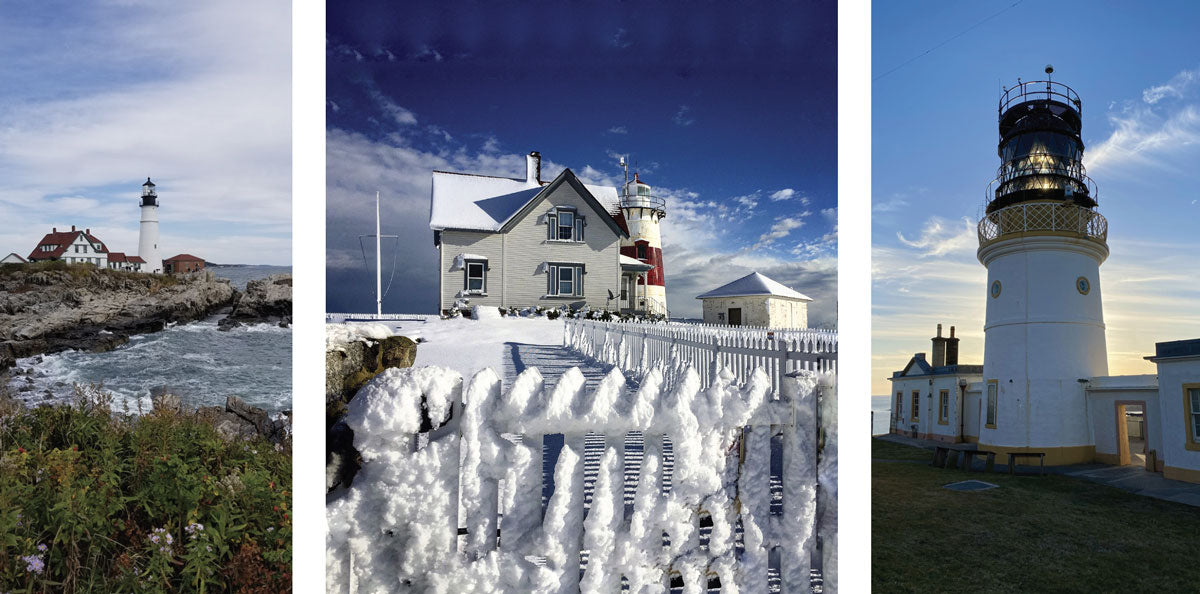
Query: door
(735, 316)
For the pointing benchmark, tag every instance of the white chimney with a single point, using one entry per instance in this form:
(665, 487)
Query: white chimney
(533, 167)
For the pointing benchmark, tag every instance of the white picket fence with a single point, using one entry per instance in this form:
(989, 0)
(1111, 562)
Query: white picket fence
(690, 489)
(637, 348)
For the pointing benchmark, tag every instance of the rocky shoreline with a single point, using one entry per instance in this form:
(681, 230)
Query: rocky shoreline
(48, 309)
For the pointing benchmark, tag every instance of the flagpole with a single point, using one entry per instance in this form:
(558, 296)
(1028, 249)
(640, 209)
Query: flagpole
(378, 262)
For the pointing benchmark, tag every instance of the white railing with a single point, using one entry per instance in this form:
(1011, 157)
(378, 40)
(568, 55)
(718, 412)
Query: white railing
(1057, 217)
(338, 318)
(638, 348)
(660, 489)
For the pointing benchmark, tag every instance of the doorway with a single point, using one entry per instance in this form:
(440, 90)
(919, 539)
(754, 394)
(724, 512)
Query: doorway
(1131, 433)
(735, 316)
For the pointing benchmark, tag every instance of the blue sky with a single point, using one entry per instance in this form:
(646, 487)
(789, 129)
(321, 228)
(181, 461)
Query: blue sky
(95, 96)
(1136, 68)
(728, 112)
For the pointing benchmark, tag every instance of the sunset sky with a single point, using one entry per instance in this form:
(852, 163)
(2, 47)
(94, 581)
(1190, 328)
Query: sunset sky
(1136, 69)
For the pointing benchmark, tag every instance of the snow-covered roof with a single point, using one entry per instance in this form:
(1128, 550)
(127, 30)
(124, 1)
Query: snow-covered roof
(754, 284)
(486, 203)
(634, 263)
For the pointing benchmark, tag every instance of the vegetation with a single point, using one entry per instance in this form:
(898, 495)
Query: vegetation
(92, 501)
(1032, 534)
(82, 271)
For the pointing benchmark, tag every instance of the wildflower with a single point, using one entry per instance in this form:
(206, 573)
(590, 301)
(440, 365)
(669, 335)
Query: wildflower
(34, 564)
(20, 450)
(42, 548)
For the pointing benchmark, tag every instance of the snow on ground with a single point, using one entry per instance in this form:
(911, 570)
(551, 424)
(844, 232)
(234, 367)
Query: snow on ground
(508, 345)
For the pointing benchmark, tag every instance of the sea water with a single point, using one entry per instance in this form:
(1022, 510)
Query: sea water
(196, 361)
(881, 410)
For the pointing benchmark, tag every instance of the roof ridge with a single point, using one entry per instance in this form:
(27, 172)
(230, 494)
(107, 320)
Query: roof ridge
(479, 175)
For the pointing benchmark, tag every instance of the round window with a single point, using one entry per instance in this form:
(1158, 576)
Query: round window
(995, 290)
(1082, 285)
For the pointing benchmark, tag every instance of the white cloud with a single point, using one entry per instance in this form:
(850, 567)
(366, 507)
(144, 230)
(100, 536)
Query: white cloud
(618, 130)
(1160, 133)
(621, 39)
(940, 236)
(784, 194)
(205, 109)
(782, 228)
(682, 116)
(891, 205)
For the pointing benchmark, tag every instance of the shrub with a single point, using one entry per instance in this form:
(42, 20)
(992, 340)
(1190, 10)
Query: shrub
(92, 501)
(553, 314)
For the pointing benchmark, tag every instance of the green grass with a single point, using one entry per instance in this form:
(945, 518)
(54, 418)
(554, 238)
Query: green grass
(886, 450)
(1033, 534)
(88, 497)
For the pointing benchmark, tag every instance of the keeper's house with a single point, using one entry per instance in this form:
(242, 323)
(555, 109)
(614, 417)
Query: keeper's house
(13, 258)
(72, 247)
(523, 242)
(183, 263)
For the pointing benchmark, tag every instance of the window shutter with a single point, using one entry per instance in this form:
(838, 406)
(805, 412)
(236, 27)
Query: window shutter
(553, 284)
(579, 281)
(551, 226)
(579, 224)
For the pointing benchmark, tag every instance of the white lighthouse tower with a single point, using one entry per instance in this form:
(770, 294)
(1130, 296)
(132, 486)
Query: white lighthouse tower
(643, 211)
(148, 239)
(1042, 242)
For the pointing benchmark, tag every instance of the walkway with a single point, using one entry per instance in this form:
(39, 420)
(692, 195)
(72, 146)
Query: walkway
(1134, 479)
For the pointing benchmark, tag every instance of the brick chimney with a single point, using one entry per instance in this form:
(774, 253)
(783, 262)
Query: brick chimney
(952, 349)
(939, 349)
(533, 167)
(72, 227)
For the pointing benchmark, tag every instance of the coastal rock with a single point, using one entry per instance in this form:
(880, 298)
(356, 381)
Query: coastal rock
(347, 369)
(167, 403)
(266, 300)
(51, 307)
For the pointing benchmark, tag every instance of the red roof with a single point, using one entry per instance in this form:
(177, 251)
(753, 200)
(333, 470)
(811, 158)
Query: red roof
(184, 258)
(117, 257)
(135, 260)
(62, 239)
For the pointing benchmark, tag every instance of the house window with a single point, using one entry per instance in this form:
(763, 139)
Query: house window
(916, 405)
(992, 388)
(564, 225)
(1191, 410)
(899, 406)
(641, 251)
(944, 407)
(475, 277)
(565, 280)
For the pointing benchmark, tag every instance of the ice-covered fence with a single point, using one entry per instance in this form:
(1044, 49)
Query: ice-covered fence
(449, 497)
(338, 318)
(637, 348)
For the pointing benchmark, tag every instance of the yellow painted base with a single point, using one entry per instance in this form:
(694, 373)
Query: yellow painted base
(1055, 456)
(1181, 474)
(970, 439)
(1113, 459)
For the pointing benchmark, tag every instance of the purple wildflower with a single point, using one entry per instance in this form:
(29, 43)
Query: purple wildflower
(34, 564)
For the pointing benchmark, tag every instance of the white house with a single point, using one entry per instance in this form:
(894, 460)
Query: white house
(930, 396)
(523, 242)
(755, 300)
(72, 247)
(13, 258)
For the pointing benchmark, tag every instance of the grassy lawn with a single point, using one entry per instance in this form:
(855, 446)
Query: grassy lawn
(1033, 534)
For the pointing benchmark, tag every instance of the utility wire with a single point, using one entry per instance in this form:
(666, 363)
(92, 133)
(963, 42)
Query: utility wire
(960, 34)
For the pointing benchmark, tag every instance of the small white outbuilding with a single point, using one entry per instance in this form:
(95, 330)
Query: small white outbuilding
(755, 300)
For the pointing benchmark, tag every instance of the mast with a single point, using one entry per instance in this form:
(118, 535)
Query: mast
(378, 262)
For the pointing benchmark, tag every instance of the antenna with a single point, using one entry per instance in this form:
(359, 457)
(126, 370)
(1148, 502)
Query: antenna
(625, 166)
(378, 260)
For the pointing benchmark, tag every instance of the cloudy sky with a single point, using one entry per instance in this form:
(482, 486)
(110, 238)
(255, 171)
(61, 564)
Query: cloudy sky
(1136, 69)
(731, 115)
(95, 96)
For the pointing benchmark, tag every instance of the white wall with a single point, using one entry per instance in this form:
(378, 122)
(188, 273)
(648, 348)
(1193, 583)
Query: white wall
(1103, 394)
(758, 310)
(514, 278)
(929, 425)
(1041, 336)
(1178, 461)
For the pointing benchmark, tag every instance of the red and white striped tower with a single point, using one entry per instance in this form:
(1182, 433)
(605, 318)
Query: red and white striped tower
(643, 211)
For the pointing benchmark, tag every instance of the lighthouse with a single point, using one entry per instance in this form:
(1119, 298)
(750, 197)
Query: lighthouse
(643, 212)
(148, 238)
(1042, 241)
